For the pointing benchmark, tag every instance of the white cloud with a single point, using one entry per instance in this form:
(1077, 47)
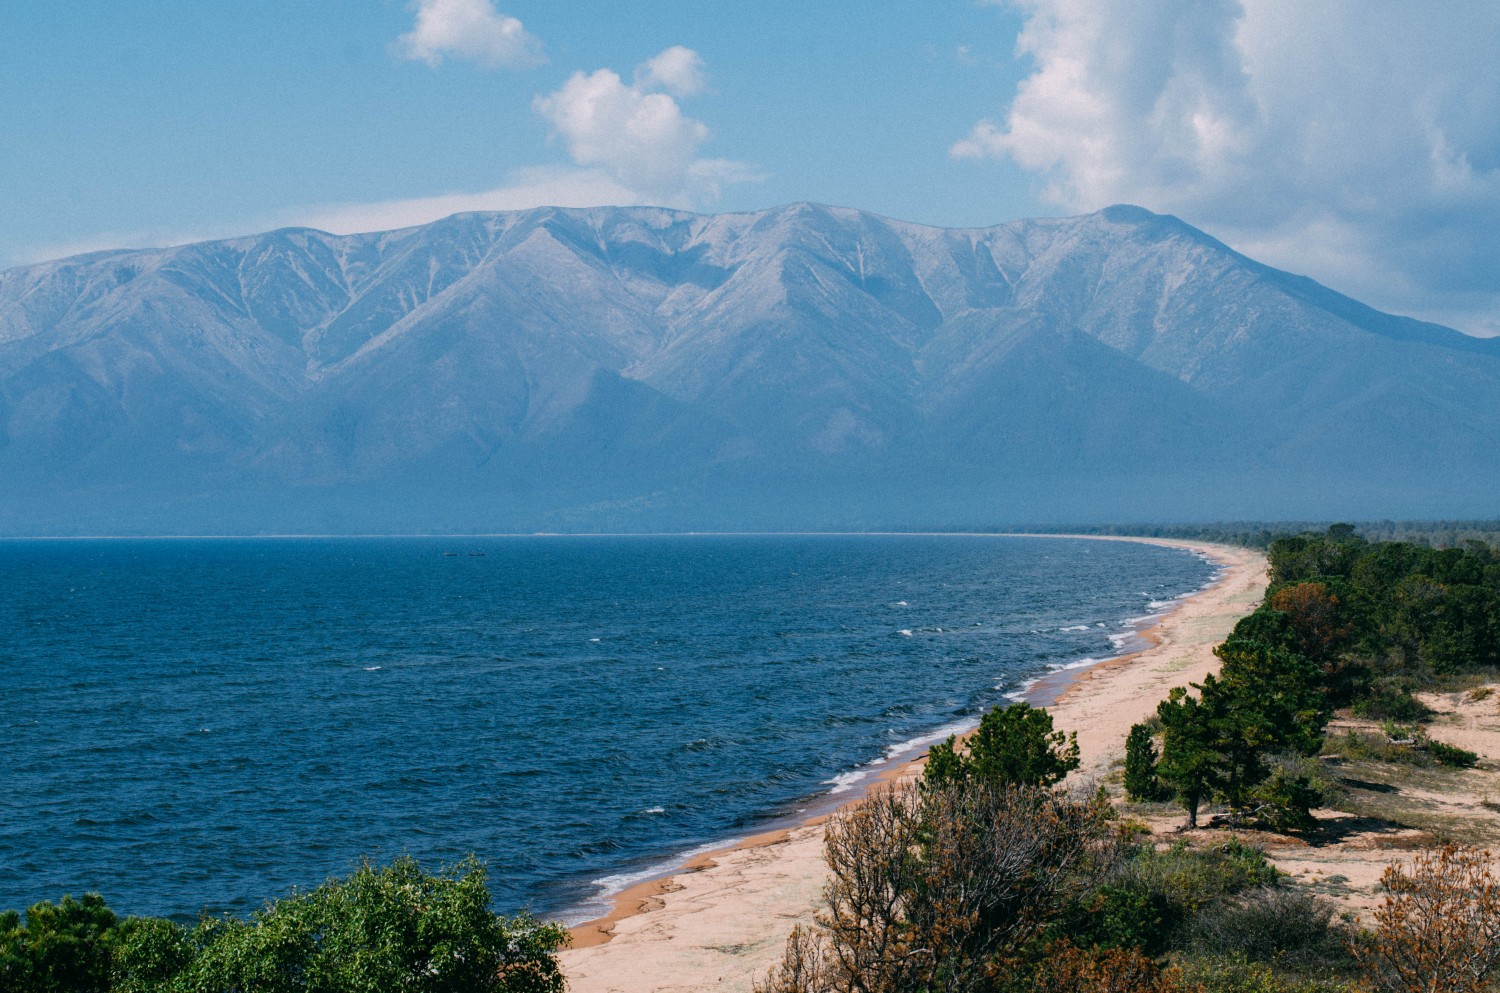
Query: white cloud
(637, 133)
(629, 145)
(468, 29)
(1356, 142)
(525, 188)
(677, 70)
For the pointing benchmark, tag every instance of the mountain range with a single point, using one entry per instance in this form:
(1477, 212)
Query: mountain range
(642, 368)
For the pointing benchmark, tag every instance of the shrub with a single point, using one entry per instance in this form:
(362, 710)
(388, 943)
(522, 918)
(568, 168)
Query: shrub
(1388, 700)
(1147, 897)
(1451, 755)
(396, 928)
(1115, 916)
(1241, 976)
(1400, 744)
(1186, 879)
(1274, 925)
(1068, 969)
(1438, 930)
(1284, 800)
(943, 885)
(1357, 746)
(61, 947)
(148, 952)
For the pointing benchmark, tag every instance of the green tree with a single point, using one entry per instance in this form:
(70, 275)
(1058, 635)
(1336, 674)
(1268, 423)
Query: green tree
(1141, 782)
(1191, 738)
(1013, 746)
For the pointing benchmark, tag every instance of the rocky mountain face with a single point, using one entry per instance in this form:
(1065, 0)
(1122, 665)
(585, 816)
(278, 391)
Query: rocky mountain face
(799, 367)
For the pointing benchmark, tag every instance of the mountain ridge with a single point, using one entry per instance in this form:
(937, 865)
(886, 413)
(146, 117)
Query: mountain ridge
(800, 365)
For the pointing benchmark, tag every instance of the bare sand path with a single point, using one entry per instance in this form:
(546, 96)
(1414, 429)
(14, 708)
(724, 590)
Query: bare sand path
(722, 922)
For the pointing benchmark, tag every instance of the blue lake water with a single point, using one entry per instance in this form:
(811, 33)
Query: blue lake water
(201, 725)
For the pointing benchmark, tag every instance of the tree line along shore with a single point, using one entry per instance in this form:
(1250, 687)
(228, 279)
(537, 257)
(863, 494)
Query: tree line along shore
(991, 873)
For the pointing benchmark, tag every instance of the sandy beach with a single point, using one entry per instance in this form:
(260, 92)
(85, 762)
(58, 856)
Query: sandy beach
(722, 921)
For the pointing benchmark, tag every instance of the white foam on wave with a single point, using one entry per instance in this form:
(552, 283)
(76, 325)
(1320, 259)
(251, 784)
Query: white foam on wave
(1075, 627)
(654, 810)
(600, 903)
(905, 632)
(373, 668)
(844, 781)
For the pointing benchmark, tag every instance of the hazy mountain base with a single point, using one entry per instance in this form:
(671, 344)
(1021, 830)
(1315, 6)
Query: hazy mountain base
(804, 367)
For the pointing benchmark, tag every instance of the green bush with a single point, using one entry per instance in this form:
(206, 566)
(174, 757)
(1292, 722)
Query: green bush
(1151, 893)
(1285, 799)
(61, 947)
(395, 928)
(1400, 745)
(1240, 976)
(1287, 928)
(1451, 755)
(1390, 701)
(147, 953)
(1114, 916)
(1357, 746)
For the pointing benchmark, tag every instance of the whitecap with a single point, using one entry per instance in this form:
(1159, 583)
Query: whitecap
(1075, 627)
(373, 668)
(844, 781)
(905, 632)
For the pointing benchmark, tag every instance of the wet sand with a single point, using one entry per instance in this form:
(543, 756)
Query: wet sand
(722, 920)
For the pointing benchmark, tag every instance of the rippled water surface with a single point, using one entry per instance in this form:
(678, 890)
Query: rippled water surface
(203, 724)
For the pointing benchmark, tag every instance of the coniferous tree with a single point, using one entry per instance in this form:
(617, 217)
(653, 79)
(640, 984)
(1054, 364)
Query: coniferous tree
(1141, 782)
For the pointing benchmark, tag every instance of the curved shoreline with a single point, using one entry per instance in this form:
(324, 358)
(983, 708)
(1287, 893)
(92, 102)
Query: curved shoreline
(722, 918)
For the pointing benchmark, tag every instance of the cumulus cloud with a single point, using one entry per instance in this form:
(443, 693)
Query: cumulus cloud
(637, 132)
(1355, 142)
(629, 144)
(468, 29)
(677, 70)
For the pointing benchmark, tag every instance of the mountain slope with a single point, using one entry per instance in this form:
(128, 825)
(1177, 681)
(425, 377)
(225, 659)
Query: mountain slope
(638, 367)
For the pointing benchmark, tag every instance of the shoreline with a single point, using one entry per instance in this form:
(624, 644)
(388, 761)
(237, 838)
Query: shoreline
(687, 928)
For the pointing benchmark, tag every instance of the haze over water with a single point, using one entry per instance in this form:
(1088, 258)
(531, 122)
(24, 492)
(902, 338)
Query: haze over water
(198, 725)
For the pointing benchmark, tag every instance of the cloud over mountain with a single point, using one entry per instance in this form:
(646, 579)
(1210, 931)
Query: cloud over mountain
(1356, 142)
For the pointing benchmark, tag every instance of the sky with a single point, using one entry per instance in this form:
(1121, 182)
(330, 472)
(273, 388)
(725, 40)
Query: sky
(1356, 142)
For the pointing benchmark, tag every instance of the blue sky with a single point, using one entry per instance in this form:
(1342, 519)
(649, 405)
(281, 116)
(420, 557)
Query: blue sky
(1357, 143)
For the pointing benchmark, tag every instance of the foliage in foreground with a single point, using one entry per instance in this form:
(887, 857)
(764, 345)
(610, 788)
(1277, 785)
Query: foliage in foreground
(944, 886)
(377, 930)
(1438, 930)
